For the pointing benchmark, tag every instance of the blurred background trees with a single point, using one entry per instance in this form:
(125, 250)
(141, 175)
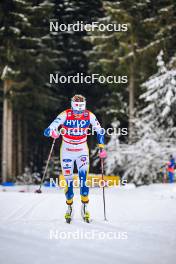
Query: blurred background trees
(145, 53)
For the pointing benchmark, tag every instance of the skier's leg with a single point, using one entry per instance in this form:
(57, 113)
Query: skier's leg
(82, 162)
(67, 164)
(171, 177)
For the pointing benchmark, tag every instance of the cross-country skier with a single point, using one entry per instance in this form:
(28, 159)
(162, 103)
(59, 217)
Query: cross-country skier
(170, 168)
(75, 124)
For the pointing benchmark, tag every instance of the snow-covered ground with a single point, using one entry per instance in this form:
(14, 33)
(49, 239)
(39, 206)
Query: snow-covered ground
(33, 230)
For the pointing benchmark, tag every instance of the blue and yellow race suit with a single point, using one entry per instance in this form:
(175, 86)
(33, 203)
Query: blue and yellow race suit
(74, 130)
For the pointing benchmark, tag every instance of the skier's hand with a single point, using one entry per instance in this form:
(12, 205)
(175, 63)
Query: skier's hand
(54, 134)
(51, 133)
(102, 154)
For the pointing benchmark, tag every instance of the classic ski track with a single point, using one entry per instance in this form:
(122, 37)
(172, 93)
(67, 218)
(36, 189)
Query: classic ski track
(22, 209)
(150, 226)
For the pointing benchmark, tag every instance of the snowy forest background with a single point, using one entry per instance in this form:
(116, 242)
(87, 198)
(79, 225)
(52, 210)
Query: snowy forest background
(147, 105)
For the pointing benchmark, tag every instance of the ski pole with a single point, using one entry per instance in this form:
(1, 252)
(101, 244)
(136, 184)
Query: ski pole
(46, 167)
(104, 201)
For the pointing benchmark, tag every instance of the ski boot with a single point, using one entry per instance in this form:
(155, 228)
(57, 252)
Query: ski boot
(68, 215)
(85, 213)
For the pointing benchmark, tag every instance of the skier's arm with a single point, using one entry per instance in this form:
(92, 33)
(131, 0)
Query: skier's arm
(99, 130)
(51, 130)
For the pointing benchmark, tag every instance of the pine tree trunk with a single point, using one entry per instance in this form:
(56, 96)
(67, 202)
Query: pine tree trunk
(14, 167)
(19, 144)
(25, 144)
(4, 137)
(131, 101)
(9, 139)
(7, 134)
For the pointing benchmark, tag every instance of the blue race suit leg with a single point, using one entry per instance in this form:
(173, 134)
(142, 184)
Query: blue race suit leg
(82, 162)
